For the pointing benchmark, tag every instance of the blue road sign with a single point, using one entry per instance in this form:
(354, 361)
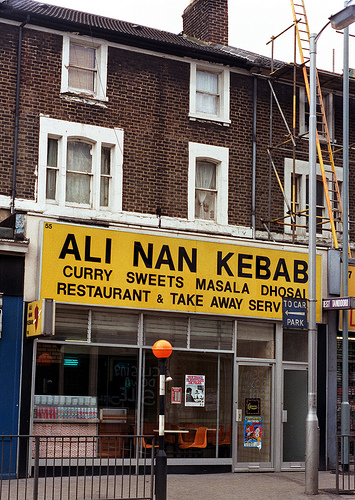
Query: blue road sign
(294, 313)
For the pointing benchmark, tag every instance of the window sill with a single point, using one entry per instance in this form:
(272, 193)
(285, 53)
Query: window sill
(322, 138)
(69, 206)
(79, 212)
(84, 98)
(208, 119)
(208, 224)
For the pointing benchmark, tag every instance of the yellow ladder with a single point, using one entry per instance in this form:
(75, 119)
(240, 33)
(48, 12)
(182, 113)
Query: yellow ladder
(334, 205)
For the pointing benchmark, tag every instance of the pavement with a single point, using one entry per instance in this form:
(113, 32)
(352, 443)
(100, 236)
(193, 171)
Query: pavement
(251, 486)
(222, 486)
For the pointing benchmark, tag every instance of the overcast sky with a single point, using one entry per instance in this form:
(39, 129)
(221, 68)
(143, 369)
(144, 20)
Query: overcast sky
(251, 23)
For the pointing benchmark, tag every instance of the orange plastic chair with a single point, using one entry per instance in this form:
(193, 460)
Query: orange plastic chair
(182, 441)
(200, 440)
(189, 438)
(169, 437)
(144, 443)
(148, 428)
(227, 437)
(212, 435)
(148, 445)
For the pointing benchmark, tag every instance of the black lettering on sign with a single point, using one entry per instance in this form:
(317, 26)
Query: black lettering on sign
(165, 257)
(70, 247)
(191, 263)
(188, 299)
(300, 271)
(262, 268)
(244, 265)
(88, 256)
(281, 270)
(222, 263)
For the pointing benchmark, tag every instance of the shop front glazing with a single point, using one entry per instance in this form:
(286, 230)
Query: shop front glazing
(95, 379)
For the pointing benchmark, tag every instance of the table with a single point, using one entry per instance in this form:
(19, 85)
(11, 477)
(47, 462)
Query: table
(174, 431)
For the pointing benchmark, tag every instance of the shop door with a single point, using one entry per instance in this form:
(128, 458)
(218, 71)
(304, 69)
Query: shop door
(254, 422)
(294, 415)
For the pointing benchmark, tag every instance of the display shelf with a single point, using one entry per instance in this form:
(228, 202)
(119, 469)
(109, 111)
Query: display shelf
(65, 408)
(65, 421)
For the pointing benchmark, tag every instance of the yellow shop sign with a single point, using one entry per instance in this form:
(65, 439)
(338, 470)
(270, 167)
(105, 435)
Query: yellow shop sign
(128, 269)
(40, 318)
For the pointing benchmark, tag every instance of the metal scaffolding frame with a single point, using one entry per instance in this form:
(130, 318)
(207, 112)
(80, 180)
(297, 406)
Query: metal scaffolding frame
(334, 220)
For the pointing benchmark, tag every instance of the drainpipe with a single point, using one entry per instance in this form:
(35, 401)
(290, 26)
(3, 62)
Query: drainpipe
(17, 112)
(253, 181)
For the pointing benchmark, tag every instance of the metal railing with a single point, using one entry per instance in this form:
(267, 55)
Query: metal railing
(76, 467)
(345, 475)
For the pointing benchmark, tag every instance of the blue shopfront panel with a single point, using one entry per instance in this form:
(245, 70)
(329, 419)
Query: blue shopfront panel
(10, 372)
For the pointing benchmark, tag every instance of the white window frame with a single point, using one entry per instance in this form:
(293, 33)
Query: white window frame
(65, 131)
(101, 50)
(220, 157)
(302, 173)
(223, 92)
(329, 112)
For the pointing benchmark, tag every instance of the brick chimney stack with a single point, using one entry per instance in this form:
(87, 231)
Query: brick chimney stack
(207, 20)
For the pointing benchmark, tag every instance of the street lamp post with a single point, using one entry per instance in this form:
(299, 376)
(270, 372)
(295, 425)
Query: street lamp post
(312, 432)
(162, 349)
(339, 21)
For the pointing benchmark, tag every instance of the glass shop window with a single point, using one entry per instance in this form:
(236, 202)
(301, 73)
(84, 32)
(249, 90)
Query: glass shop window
(255, 340)
(295, 345)
(198, 403)
(84, 383)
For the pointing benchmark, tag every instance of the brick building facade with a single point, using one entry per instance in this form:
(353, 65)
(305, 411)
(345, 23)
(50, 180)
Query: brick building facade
(112, 126)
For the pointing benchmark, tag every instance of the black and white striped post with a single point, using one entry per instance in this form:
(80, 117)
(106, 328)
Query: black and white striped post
(162, 349)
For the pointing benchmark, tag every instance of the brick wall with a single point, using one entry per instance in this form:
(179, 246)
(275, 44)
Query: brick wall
(148, 97)
(8, 58)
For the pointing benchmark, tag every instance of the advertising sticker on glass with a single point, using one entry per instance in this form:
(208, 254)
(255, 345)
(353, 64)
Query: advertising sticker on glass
(195, 390)
(253, 432)
(252, 406)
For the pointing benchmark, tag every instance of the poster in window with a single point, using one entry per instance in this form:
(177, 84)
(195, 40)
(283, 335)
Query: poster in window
(253, 432)
(176, 393)
(195, 390)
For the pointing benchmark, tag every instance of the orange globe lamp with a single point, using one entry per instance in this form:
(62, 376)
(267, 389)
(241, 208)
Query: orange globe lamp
(45, 359)
(162, 349)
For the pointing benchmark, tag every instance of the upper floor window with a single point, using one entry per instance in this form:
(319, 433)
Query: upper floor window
(52, 169)
(209, 93)
(321, 210)
(105, 173)
(84, 67)
(208, 183)
(329, 113)
(80, 165)
(301, 202)
(206, 190)
(79, 173)
(82, 70)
